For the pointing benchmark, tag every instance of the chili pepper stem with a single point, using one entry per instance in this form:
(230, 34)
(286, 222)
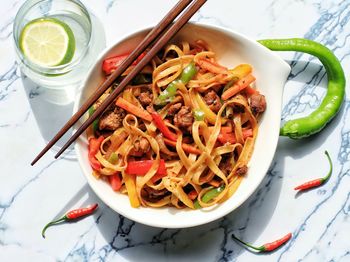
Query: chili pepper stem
(247, 244)
(64, 218)
(330, 167)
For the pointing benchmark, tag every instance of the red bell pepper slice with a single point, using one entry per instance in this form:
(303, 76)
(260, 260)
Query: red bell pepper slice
(112, 63)
(115, 181)
(160, 124)
(140, 168)
(94, 145)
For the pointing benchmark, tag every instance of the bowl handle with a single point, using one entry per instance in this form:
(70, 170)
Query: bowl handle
(331, 103)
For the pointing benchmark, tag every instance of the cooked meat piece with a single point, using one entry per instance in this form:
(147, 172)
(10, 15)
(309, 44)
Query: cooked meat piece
(257, 103)
(104, 133)
(213, 101)
(238, 109)
(241, 171)
(174, 108)
(145, 97)
(112, 119)
(184, 118)
(142, 126)
(141, 145)
(225, 165)
(153, 195)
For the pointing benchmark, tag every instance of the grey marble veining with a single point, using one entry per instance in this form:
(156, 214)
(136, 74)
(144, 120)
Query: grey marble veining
(318, 219)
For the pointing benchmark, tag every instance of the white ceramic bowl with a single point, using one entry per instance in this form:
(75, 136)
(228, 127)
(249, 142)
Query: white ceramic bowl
(231, 48)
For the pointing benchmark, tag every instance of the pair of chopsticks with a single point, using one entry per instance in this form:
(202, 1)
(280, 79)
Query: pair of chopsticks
(157, 38)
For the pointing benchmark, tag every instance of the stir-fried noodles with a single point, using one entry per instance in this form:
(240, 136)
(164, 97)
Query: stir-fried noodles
(182, 133)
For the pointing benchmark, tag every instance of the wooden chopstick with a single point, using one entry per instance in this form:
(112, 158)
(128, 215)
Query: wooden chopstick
(151, 36)
(158, 45)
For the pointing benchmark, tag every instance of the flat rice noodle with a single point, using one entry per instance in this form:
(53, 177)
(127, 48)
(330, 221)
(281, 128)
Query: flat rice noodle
(186, 162)
(168, 75)
(163, 202)
(107, 171)
(192, 170)
(170, 70)
(116, 139)
(185, 47)
(178, 191)
(203, 55)
(238, 128)
(117, 167)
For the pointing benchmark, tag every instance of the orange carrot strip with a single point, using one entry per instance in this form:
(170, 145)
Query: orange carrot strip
(121, 102)
(212, 67)
(186, 147)
(239, 86)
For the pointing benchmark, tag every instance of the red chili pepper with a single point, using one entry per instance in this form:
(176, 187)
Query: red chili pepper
(111, 64)
(319, 181)
(94, 146)
(115, 181)
(268, 247)
(71, 215)
(140, 168)
(160, 124)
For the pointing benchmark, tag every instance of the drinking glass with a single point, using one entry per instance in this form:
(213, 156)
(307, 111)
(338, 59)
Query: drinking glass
(61, 81)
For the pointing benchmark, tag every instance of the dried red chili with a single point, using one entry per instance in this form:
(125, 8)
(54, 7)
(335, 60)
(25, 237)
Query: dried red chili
(319, 181)
(71, 215)
(268, 247)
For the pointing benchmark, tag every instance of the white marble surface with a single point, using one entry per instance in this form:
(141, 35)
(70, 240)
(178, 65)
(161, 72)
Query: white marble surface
(319, 219)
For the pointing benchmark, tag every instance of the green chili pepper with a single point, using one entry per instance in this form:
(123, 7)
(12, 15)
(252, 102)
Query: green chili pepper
(113, 158)
(316, 121)
(198, 115)
(95, 123)
(211, 194)
(188, 73)
(168, 94)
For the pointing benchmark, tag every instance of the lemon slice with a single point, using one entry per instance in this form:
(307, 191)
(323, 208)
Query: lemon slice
(47, 42)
